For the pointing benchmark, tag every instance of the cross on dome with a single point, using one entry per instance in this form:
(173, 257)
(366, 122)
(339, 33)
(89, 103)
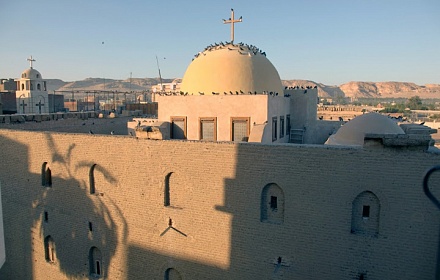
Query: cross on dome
(30, 59)
(232, 21)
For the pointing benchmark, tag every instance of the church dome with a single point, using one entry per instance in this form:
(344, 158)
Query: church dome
(353, 132)
(31, 73)
(231, 67)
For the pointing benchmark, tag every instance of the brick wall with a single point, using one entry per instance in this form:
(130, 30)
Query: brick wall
(212, 228)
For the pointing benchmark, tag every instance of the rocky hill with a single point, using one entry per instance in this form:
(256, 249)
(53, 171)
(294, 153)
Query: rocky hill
(371, 89)
(136, 84)
(351, 89)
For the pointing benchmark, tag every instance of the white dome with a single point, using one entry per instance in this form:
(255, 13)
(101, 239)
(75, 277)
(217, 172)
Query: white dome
(353, 132)
(31, 73)
(231, 67)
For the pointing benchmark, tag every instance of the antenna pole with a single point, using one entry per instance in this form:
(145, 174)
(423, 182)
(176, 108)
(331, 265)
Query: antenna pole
(160, 76)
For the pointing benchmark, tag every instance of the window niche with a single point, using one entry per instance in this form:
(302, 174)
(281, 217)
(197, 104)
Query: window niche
(274, 128)
(92, 179)
(208, 129)
(178, 128)
(49, 249)
(288, 125)
(95, 263)
(172, 274)
(272, 204)
(166, 195)
(281, 127)
(240, 129)
(46, 176)
(365, 214)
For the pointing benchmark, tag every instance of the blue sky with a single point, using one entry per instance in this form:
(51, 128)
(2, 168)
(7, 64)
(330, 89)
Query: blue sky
(331, 42)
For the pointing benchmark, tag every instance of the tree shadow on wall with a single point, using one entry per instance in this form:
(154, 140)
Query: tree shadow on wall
(38, 208)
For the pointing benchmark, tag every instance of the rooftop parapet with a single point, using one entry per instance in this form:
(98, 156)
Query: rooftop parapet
(412, 128)
(418, 141)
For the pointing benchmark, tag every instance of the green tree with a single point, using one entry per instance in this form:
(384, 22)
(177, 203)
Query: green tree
(414, 103)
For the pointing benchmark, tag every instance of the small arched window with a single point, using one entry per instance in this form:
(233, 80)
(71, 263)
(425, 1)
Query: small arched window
(38, 86)
(272, 204)
(95, 260)
(172, 274)
(49, 249)
(166, 196)
(32, 86)
(365, 214)
(92, 179)
(22, 86)
(46, 175)
(38, 76)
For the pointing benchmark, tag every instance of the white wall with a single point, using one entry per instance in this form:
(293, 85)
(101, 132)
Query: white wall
(277, 106)
(223, 107)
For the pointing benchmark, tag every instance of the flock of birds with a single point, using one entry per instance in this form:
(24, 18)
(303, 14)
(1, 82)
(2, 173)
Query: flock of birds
(271, 93)
(242, 48)
(397, 119)
(301, 87)
(240, 92)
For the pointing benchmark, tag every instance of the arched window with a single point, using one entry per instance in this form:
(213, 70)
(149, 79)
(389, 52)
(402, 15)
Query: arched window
(49, 249)
(32, 86)
(365, 214)
(43, 174)
(95, 260)
(166, 195)
(22, 86)
(46, 176)
(38, 86)
(172, 274)
(92, 179)
(272, 204)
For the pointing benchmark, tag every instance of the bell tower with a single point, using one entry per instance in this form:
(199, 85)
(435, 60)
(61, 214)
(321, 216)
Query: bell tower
(31, 94)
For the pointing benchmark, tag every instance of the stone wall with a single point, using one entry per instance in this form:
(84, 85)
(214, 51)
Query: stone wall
(194, 209)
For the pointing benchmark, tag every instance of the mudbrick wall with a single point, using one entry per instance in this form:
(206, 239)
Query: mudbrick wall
(82, 206)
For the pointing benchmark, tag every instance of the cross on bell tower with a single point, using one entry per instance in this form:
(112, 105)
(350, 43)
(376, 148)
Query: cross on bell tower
(232, 21)
(30, 59)
(39, 105)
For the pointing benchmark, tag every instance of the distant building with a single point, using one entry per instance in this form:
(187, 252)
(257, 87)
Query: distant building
(31, 94)
(232, 92)
(174, 86)
(8, 88)
(56, 103)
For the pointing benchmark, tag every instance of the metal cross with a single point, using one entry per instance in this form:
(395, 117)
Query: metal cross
(23, 105)
(30, 59)
(39, 106)
(231, 20)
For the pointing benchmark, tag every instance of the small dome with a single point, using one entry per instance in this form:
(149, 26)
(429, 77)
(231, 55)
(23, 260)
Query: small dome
(231, 67)
(353, 132)
(31, 73)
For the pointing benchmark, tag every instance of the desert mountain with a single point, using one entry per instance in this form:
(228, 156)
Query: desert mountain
(351, 89)
(371, 89)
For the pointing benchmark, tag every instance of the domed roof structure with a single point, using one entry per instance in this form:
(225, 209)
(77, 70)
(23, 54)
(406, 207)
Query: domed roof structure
(231, 68)
(31, 73)
(353, 132)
